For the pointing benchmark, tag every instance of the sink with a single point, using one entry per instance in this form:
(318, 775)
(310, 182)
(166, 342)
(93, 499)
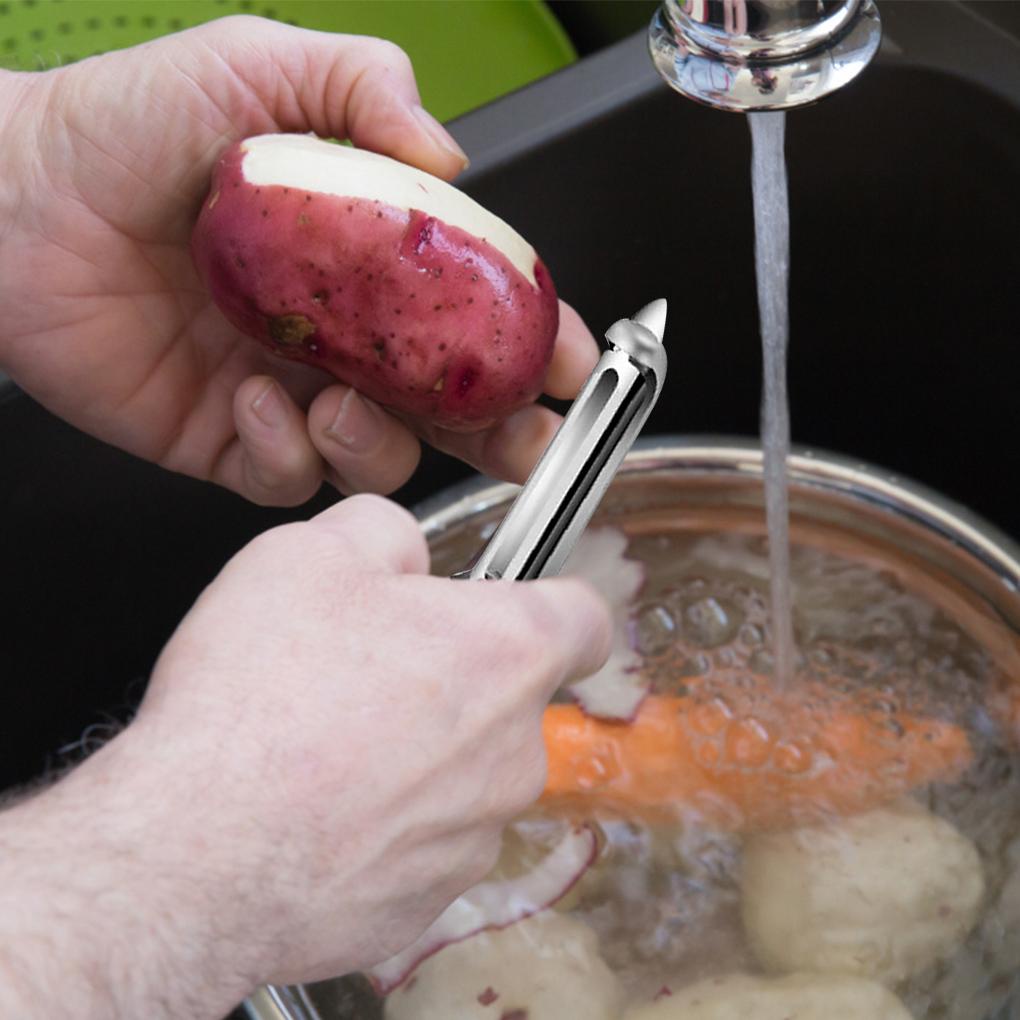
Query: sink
(905, 311)
(905, 212)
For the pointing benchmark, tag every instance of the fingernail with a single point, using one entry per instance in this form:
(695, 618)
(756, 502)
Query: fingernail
(440, 135)
(269, 407)
(357, 425)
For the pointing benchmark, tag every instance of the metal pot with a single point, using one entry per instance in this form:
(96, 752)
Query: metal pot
(968, 568)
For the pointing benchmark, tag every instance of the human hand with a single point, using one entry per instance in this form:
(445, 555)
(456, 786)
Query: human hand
(102, 316)
(329, 748)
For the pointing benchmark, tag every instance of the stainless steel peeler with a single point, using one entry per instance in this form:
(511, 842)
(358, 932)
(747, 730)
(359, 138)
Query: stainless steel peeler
(568, 483)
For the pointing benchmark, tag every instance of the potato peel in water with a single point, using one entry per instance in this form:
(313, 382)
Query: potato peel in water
(547, 967)
(385, 276)
(494, 904)
(617, 689)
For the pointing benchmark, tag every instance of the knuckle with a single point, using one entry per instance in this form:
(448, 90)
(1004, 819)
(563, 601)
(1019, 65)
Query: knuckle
(531, 781)
(399, 525)
(374, 505)
(537, 632)
(529, 615)
(288, 544)
(232, 26)
(276, 541)
(269, 554)
(581, 597)
(390, 56)
(283, 480)
(520, 778)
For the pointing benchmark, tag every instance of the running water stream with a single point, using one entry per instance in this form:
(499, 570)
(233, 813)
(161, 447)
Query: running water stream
(772, 268)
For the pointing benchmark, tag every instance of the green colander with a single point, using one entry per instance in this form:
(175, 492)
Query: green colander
(465, 52)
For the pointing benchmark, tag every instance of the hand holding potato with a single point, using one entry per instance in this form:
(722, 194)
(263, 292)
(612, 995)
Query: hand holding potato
(102, 314)
(318, 768)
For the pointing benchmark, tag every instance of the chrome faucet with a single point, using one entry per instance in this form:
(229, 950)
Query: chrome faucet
(747, 55)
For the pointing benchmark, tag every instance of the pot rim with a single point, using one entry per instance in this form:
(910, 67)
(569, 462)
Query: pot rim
(809, 468)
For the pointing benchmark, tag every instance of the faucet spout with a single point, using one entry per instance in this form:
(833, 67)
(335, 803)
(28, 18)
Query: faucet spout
(747, 55)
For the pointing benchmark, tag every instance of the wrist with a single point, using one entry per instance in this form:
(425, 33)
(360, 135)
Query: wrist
(109, 901)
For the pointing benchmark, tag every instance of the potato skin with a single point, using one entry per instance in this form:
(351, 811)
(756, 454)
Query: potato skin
(421, 316)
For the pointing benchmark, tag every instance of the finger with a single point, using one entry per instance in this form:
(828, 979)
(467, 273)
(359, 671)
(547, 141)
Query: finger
(382, 111)
(508, 450)
(340, 86)
(574, 621)
(382, 534)
(367, 450)
(574, 357)
(273, 461)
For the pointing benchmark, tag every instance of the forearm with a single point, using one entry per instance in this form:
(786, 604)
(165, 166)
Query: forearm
(103, 905)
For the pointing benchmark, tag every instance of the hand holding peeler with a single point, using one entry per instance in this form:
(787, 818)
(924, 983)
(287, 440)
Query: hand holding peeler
(556, 502)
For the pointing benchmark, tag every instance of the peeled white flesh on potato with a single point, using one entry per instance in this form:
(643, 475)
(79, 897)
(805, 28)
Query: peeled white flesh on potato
(545, 968)
(495, 903)
(795, 997)
(303, 163)
(883, 894)
(617, 689)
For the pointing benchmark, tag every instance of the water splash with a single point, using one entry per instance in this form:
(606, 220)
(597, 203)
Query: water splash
(772, 268)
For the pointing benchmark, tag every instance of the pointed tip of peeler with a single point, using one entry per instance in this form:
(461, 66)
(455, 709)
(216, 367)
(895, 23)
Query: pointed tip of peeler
(653, 318)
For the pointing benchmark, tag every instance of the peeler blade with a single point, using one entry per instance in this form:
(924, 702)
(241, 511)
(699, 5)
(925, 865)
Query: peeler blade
(567, 484)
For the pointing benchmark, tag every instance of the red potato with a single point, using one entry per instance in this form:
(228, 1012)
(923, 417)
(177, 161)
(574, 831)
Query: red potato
(385, 276)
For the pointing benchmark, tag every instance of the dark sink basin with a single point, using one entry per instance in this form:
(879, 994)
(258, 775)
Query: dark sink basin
(905, 308)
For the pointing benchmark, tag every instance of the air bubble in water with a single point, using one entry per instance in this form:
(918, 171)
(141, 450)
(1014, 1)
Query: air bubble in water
(751, 636)
(696, 665)
(727, 658)
(708, 623)
(752, 602)
(655, 629)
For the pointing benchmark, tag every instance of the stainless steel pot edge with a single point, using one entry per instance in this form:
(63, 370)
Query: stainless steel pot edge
(809, 467)
(278, 1002)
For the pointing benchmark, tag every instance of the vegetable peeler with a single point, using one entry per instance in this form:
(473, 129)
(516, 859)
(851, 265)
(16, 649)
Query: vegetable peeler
(567, 484)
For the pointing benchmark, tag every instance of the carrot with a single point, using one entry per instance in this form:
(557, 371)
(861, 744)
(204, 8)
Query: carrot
(742, 756)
